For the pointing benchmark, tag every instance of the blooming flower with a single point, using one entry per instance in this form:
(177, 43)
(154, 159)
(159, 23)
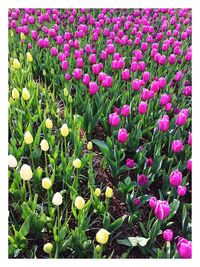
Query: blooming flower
(44, 145)
(162, 209)
(168, 235)
(28, 138)
(46, 183)
(79, 203)
(57, 199)
(102, 236)
(26, 172)
(109, 192)
(12, 162)
(114, 119)
(184, 248)
(77, 163)
(122, 135)
(175, 178)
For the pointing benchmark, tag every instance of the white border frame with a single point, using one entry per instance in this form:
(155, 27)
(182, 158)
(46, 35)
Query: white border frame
(4, 127)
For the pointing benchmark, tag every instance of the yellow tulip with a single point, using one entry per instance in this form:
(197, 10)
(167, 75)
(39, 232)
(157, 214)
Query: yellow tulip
(25, 94)
(26, 172)
(15, 93)
(29, 57)
(102, 236)
(28, 138)
(70, 99)
(77, 163)
(48, 247)
(48, 123)
(109, 192)
(22, 36)
(79, 203)
(64, 130)
(16, 63)
(89, 145)
(46, 183)
(66, 93)
(97, 192)
(44, 145)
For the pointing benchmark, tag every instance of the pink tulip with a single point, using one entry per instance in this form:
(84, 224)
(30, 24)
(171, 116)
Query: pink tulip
(77, 73)
(122, 135)
(184, 248)
(142, 108)
(93, 88)
(125, 110)
(164, 123)
(168, 235)
(114, 119)
(130, 163)
(175, 178)
(177, 146)
(162, 209)
(181, 190)
(142, 180)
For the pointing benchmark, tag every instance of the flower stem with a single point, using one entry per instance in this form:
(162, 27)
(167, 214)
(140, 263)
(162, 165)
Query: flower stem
(46, 167)
(30, 193)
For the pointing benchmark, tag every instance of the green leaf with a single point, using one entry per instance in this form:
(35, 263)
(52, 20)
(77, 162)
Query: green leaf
(25, 228)
(116, 224)
(155, 230)
(174, 207)
(100, 144)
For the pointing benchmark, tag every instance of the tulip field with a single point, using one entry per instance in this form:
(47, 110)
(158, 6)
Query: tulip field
(100, 133)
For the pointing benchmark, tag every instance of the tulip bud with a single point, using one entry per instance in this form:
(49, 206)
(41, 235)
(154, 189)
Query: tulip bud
(12, 162)
(26, 172)
(164, 123)
(25, 94)
(177, 146)
(49, 123)
(16, 63)
(114, 119)
(79, 203)
(162, 209)
(77, 163)
(168, 235)
(122, 135)
(153, 202)
(70, 99)
(98, 248)
(102, 236)
(57, 199)
(142, 180)
(44, 145)
(28, 138)
(66, 93)
(130, 163)
(97, 192)
(125, 110)
(175, 178)
(48, 247)
(29, 57)
(46, 183)
(142, 108)
(109, 192)
(181, 190)
(15, 93)
(22, 36)
(89, 145)
(184, 248)
(64, 130)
